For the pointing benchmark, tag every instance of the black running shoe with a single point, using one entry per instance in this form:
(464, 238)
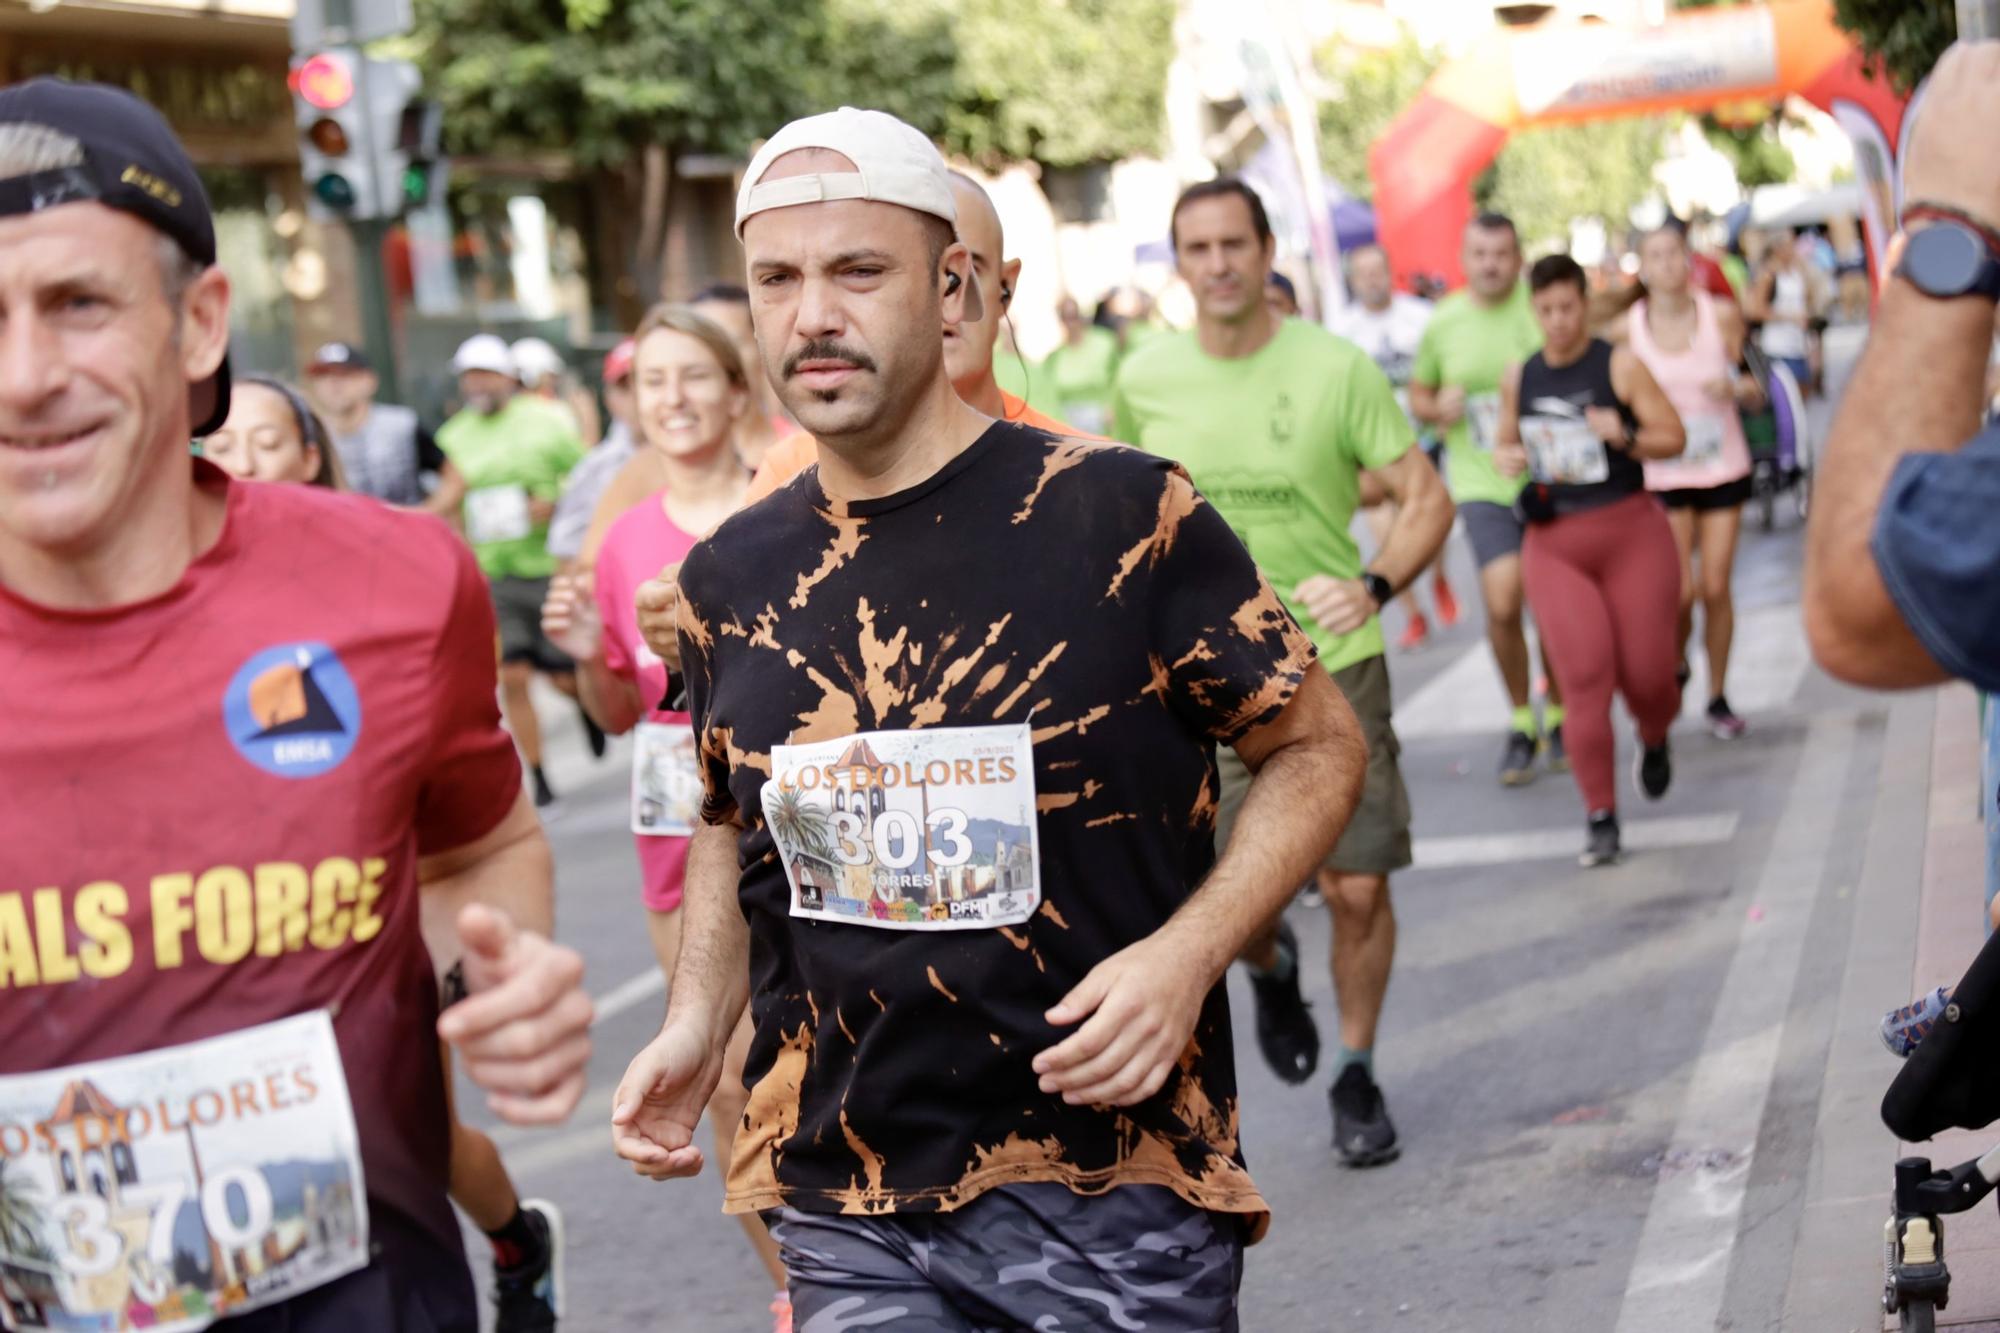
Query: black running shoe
(1362, 1134)
(1553, 750)
(1723, 724)
(528, 1298)
(1286, 1032)
(1655, 770)
(1517, 761)
(1600, 840)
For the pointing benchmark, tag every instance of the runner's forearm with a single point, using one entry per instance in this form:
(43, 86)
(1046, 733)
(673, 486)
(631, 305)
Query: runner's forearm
(449, 495)
(511, 869)
(1917, 389)
(613, 702)
(711, 979)
(1424, 403)
(1304, 791)
(1424, 514)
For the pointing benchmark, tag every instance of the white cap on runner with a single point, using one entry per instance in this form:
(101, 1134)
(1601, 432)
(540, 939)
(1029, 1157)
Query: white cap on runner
(484, 351)
(894, 164)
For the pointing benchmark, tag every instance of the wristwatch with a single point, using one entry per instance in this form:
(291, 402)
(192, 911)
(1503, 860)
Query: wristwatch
(1377, 587)
(1950, 259)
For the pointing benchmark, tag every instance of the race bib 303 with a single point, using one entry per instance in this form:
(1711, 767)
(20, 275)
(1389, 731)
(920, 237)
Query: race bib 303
(909, 830)
(173, 1188)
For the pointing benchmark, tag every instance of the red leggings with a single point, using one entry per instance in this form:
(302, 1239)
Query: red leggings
(1605, 586)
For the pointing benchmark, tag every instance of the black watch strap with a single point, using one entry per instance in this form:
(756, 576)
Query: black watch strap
(1378, 587)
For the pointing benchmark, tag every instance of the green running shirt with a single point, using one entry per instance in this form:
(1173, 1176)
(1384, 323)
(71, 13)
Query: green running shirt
(1471, 346)
(1276, 441)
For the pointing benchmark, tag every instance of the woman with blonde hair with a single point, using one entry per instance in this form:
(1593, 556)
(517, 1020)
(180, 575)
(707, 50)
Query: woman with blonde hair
(691, 392)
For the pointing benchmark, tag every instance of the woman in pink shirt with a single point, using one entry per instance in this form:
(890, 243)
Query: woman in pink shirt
(691, 393)
(1693, 344)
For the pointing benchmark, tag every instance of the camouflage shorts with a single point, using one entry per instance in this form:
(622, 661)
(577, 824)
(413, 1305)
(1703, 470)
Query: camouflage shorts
(1036, 1256)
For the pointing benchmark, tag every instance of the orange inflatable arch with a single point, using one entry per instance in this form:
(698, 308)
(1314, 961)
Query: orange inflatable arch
(1565, 73)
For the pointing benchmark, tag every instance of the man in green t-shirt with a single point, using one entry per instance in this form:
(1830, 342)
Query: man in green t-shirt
(513, 451)
(1474, 336)
(1079, 372)
(1276, 420)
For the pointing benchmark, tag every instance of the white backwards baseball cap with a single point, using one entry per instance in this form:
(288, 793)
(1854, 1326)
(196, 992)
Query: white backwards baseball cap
(484, 351)
(894, 164)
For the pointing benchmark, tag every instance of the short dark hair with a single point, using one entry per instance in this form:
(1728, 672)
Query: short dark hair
(941, 234)
(1491, 221)
(1219, 188)
(717, 292)
(1283, 284)
(1552, 270)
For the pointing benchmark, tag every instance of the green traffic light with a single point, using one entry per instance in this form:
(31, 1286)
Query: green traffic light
(417, 184)
(335, 191)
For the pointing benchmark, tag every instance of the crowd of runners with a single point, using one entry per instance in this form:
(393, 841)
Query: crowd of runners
(971, 746)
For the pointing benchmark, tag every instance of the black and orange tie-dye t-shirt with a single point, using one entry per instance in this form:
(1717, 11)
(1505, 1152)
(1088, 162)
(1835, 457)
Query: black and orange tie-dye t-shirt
(1088, 590)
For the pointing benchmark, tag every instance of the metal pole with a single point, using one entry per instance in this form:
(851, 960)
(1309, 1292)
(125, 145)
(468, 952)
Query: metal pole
(377, 330)
(1978, 20)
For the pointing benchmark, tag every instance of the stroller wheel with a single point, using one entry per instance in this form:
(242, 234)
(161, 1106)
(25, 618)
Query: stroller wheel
(1919, 1317)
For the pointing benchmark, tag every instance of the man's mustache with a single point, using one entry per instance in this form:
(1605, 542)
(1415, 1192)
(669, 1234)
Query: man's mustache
(826, 349)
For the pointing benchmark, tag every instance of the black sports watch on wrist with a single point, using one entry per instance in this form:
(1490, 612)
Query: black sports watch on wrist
(1949, 259)
(1378, 587)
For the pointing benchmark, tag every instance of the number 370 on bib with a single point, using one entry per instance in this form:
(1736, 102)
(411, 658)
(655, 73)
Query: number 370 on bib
(909, 830)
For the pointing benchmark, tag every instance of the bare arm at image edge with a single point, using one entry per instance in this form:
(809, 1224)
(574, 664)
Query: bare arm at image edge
(1917, 390)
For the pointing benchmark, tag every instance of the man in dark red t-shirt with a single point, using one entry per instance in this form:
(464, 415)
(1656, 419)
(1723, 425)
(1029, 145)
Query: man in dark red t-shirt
(251, 747)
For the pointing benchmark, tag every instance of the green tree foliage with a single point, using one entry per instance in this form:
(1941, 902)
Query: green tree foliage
(1058, 81)
(1062, 82)
(1902, 38)
(1370, 89)
(1755, 152)
(1546, 178)
(1542, 178)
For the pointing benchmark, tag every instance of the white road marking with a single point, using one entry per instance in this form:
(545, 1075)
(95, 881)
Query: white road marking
(1680, 1270)
(630, 993)
(1561, 844)
(1766, 667)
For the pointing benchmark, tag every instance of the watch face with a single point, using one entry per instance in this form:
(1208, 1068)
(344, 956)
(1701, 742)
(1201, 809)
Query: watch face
(1944, 260)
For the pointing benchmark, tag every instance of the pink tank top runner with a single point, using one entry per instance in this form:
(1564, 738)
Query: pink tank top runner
(1717, 453)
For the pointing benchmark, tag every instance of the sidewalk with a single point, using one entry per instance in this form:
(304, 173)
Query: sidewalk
(1950, 930)
(1924, 850)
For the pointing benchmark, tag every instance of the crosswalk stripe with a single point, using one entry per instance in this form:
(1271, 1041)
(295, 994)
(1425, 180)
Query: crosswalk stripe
(1552, 844)
(1680, 1271)
(1766, 667)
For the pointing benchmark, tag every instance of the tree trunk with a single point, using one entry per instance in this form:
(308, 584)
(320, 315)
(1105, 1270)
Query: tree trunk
(656, 172)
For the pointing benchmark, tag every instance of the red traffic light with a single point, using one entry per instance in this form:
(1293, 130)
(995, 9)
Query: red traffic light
(324, 81)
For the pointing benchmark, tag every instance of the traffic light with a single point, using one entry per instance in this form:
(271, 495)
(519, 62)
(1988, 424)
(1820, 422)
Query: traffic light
(351, 111)
(418, 139)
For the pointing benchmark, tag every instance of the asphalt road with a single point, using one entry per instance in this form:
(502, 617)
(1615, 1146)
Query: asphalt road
(1605, 1080)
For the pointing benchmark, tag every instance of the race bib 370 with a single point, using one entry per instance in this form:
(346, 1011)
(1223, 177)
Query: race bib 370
(170, 1189)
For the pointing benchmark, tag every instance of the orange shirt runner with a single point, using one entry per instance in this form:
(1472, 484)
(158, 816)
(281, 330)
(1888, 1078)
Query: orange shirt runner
(799, 451)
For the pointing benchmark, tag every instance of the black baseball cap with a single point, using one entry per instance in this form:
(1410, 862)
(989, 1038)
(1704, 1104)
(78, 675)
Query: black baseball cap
(338, 356)
(131, 162)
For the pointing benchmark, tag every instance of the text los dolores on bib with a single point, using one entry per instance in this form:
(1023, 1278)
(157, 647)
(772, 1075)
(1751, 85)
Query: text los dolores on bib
(172, 1188)
(909, 830)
